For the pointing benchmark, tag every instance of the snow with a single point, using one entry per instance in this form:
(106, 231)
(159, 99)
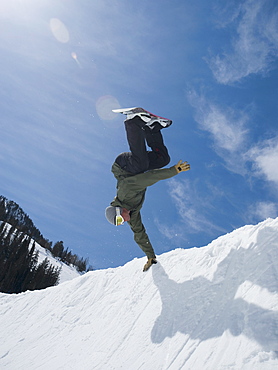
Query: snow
(209, 308)
(67, 272)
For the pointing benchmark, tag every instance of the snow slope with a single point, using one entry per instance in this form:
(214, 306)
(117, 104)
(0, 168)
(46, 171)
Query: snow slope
(204, 308)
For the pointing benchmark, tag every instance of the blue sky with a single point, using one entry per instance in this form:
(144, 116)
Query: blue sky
(210, 66)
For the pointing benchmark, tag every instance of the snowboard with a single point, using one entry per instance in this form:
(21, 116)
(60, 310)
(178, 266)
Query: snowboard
(135, 110)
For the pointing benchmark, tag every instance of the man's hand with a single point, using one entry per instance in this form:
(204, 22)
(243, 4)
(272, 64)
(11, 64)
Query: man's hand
(150, 262)
(182, 166)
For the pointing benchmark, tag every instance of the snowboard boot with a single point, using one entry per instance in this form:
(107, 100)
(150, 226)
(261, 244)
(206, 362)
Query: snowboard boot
(156, 123)
(153, 122)
(139, 112)
(151, 261)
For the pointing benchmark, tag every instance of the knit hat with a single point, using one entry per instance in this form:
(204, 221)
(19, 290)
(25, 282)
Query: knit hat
(110, 214)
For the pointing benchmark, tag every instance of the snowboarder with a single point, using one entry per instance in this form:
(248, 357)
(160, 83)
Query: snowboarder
(138, 169)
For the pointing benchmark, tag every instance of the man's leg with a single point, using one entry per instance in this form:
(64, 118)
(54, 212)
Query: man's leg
(159, 156)
(137, 160)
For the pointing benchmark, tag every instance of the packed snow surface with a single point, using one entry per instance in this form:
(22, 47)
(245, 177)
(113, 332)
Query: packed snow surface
(203, 308)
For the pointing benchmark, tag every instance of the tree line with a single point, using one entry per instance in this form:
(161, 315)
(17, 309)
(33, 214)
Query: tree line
(19, 267)
(13, 214)
(68, 257)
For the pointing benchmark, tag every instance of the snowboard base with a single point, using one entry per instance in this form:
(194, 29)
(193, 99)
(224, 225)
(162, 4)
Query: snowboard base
(135, 110)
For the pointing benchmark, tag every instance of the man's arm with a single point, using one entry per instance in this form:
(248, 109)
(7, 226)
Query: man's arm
(141, 181)
(140, 235)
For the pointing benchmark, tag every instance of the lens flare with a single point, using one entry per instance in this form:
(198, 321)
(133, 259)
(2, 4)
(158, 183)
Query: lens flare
(104, 106)
(59, 30)
(74, 56)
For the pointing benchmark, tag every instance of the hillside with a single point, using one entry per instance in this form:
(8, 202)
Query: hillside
(67, 272)
(203, 308)
(12, 214)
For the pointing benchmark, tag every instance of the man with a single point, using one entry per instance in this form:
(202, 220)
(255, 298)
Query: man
(138, 169)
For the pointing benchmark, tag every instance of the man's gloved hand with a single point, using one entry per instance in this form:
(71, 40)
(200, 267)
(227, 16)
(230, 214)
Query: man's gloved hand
(182, 166)
(151, 261)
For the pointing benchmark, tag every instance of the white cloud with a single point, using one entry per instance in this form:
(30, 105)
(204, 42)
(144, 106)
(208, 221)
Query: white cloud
(229, 134)
(262, 211)
(191, 209)
(181, 195)
(226, 126)
(172, 232)
(265, 159)
(255, 45)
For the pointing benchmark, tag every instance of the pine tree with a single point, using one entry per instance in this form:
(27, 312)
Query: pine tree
(58, 249)
(12, 213)
(18, 264)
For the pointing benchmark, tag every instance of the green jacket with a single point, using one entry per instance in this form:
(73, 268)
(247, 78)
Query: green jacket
(131, 191)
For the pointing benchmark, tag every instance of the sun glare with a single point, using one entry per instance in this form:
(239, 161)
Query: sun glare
(21, 9)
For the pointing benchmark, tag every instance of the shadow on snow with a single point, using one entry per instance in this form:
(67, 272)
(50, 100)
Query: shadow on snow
(204, 309)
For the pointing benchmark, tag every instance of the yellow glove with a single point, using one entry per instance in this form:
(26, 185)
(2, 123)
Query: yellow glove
(150, 262)
(182, 166)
